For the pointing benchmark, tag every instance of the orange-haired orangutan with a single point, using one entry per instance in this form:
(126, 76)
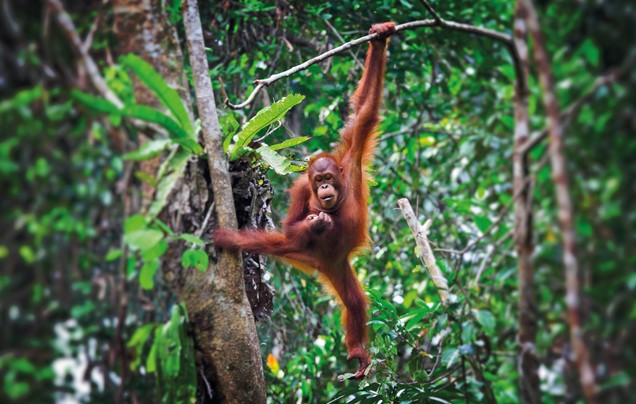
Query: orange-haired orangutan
(327, 221)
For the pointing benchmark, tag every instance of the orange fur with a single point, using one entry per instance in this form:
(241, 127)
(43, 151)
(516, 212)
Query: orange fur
(318, 235)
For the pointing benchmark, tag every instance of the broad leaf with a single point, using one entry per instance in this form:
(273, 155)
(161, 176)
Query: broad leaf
(167, 183)
(147, 275)
(168, 96)
(148, 150)
(143, 239)
(263, 119)
(289, 143)
(279, 163)
(97, 104)
(175, 131)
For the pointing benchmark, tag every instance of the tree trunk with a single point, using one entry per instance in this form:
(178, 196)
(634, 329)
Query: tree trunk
(528, 362)
(228, 358)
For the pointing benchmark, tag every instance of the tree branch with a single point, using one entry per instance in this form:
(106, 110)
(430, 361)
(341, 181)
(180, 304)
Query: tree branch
(586, 372)
(528, 363)
(426, 253)
(455, 26)
(66, 23)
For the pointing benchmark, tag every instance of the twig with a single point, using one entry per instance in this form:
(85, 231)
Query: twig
(431, 10)
(341, 39)
(455, 26)
(66, 23)
(587, 375)
(489, 255)
(420, 233)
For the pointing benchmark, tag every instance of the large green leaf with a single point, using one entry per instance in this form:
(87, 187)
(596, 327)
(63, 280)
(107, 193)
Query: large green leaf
(289, 143)
(263, 119)
(176, 164)
(168, 96)
(143, 239)
(148, 150)
(175, 131)
(97, 104)
(279, 163)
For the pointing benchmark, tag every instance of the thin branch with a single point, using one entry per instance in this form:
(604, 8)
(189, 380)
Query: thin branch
(587, 375)
(66, 23)
(455, 26)
(489, 255)
(341, 39)
(431, 10)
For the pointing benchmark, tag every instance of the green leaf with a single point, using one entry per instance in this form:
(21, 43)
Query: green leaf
(168, 96)
(148, 150)
(201, 260)
(483, 223)
(151, 362)
(289, 143)
(155, 252)
(450, 356)
(485, 319)
(195, 258)
(135, 222)
(417, 317)
(177, 164)
(143, 239)
(190, 238)
(137, 343)
(590, 52)
(263, 119)
(141, 335)
(112, 255)
(175, 131)
(279, 163)
(96, 104)
(147, 275)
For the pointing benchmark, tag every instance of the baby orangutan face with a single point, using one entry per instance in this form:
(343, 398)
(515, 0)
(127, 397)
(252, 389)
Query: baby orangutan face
(326, 182)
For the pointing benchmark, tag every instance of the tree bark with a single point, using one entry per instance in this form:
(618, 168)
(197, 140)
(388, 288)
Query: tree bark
(216, 300)
(528, 363)
(558, 162)
(228, 357)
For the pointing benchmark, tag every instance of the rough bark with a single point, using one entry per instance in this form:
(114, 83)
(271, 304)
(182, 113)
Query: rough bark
(143, 28)
(528, 363)
(228, 359)
(216, 300)
(587, 375)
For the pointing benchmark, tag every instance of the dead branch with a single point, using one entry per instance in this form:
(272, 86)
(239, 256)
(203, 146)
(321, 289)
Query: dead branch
(421, 238)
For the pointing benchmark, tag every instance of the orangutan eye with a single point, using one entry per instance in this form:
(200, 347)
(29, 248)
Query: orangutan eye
(318, 178)
(327, 176)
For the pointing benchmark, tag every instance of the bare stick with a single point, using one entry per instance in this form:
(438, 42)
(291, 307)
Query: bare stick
(420, 233)
(587, 375)
(455, 26)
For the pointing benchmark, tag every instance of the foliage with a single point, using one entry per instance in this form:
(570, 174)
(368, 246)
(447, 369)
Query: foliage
(84, 300)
